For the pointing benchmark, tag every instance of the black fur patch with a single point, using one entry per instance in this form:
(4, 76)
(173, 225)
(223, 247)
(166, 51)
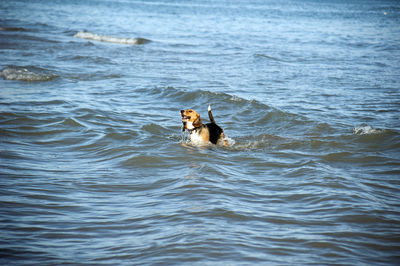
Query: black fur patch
(215, 132)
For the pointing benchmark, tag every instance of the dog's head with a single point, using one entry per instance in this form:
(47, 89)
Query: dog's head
(190, 119)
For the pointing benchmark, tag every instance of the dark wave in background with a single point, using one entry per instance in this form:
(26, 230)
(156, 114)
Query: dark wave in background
(94, 168)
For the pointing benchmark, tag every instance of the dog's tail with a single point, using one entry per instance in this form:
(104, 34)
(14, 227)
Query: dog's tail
(210, 115)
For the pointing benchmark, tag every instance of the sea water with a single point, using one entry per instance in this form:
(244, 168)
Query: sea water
(94, 168)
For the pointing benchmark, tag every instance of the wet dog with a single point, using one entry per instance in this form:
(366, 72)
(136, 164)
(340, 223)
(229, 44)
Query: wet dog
(200, 133)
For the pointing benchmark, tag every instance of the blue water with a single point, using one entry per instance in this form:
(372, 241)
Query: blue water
(95, 169)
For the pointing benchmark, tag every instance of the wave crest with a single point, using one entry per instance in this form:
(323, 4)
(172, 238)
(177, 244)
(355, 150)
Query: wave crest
(103, 38)
(366, 130)
(26, 74)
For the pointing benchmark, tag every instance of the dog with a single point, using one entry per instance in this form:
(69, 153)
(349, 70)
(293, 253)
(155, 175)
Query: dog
(200, 133)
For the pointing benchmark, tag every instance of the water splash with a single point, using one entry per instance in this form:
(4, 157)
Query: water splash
(231, 142)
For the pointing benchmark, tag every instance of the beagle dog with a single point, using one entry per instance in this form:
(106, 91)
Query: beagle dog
(200, 133)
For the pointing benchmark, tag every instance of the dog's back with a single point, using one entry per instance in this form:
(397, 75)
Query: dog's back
(215, 132)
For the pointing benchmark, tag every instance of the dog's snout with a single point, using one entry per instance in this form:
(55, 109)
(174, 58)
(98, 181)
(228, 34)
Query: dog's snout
(182, 111)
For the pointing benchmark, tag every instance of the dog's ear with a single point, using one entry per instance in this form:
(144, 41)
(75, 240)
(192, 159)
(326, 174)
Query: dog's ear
(197, 121)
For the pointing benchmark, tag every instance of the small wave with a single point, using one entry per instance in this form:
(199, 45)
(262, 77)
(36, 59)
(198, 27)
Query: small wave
(268, 57)
(260, 142)
(103, 38)
(366, 130)
(200, 98)
(94, 59)
(26, 74)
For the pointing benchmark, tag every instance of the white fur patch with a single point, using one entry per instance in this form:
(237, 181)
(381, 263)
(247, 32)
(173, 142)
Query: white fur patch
(189, 125)
(196, 139)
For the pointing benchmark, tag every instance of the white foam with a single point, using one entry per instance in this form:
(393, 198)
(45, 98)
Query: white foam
(366, 130)
(103, 38)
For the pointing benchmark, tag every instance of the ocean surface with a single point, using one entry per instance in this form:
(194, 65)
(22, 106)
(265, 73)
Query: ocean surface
(95, 169)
